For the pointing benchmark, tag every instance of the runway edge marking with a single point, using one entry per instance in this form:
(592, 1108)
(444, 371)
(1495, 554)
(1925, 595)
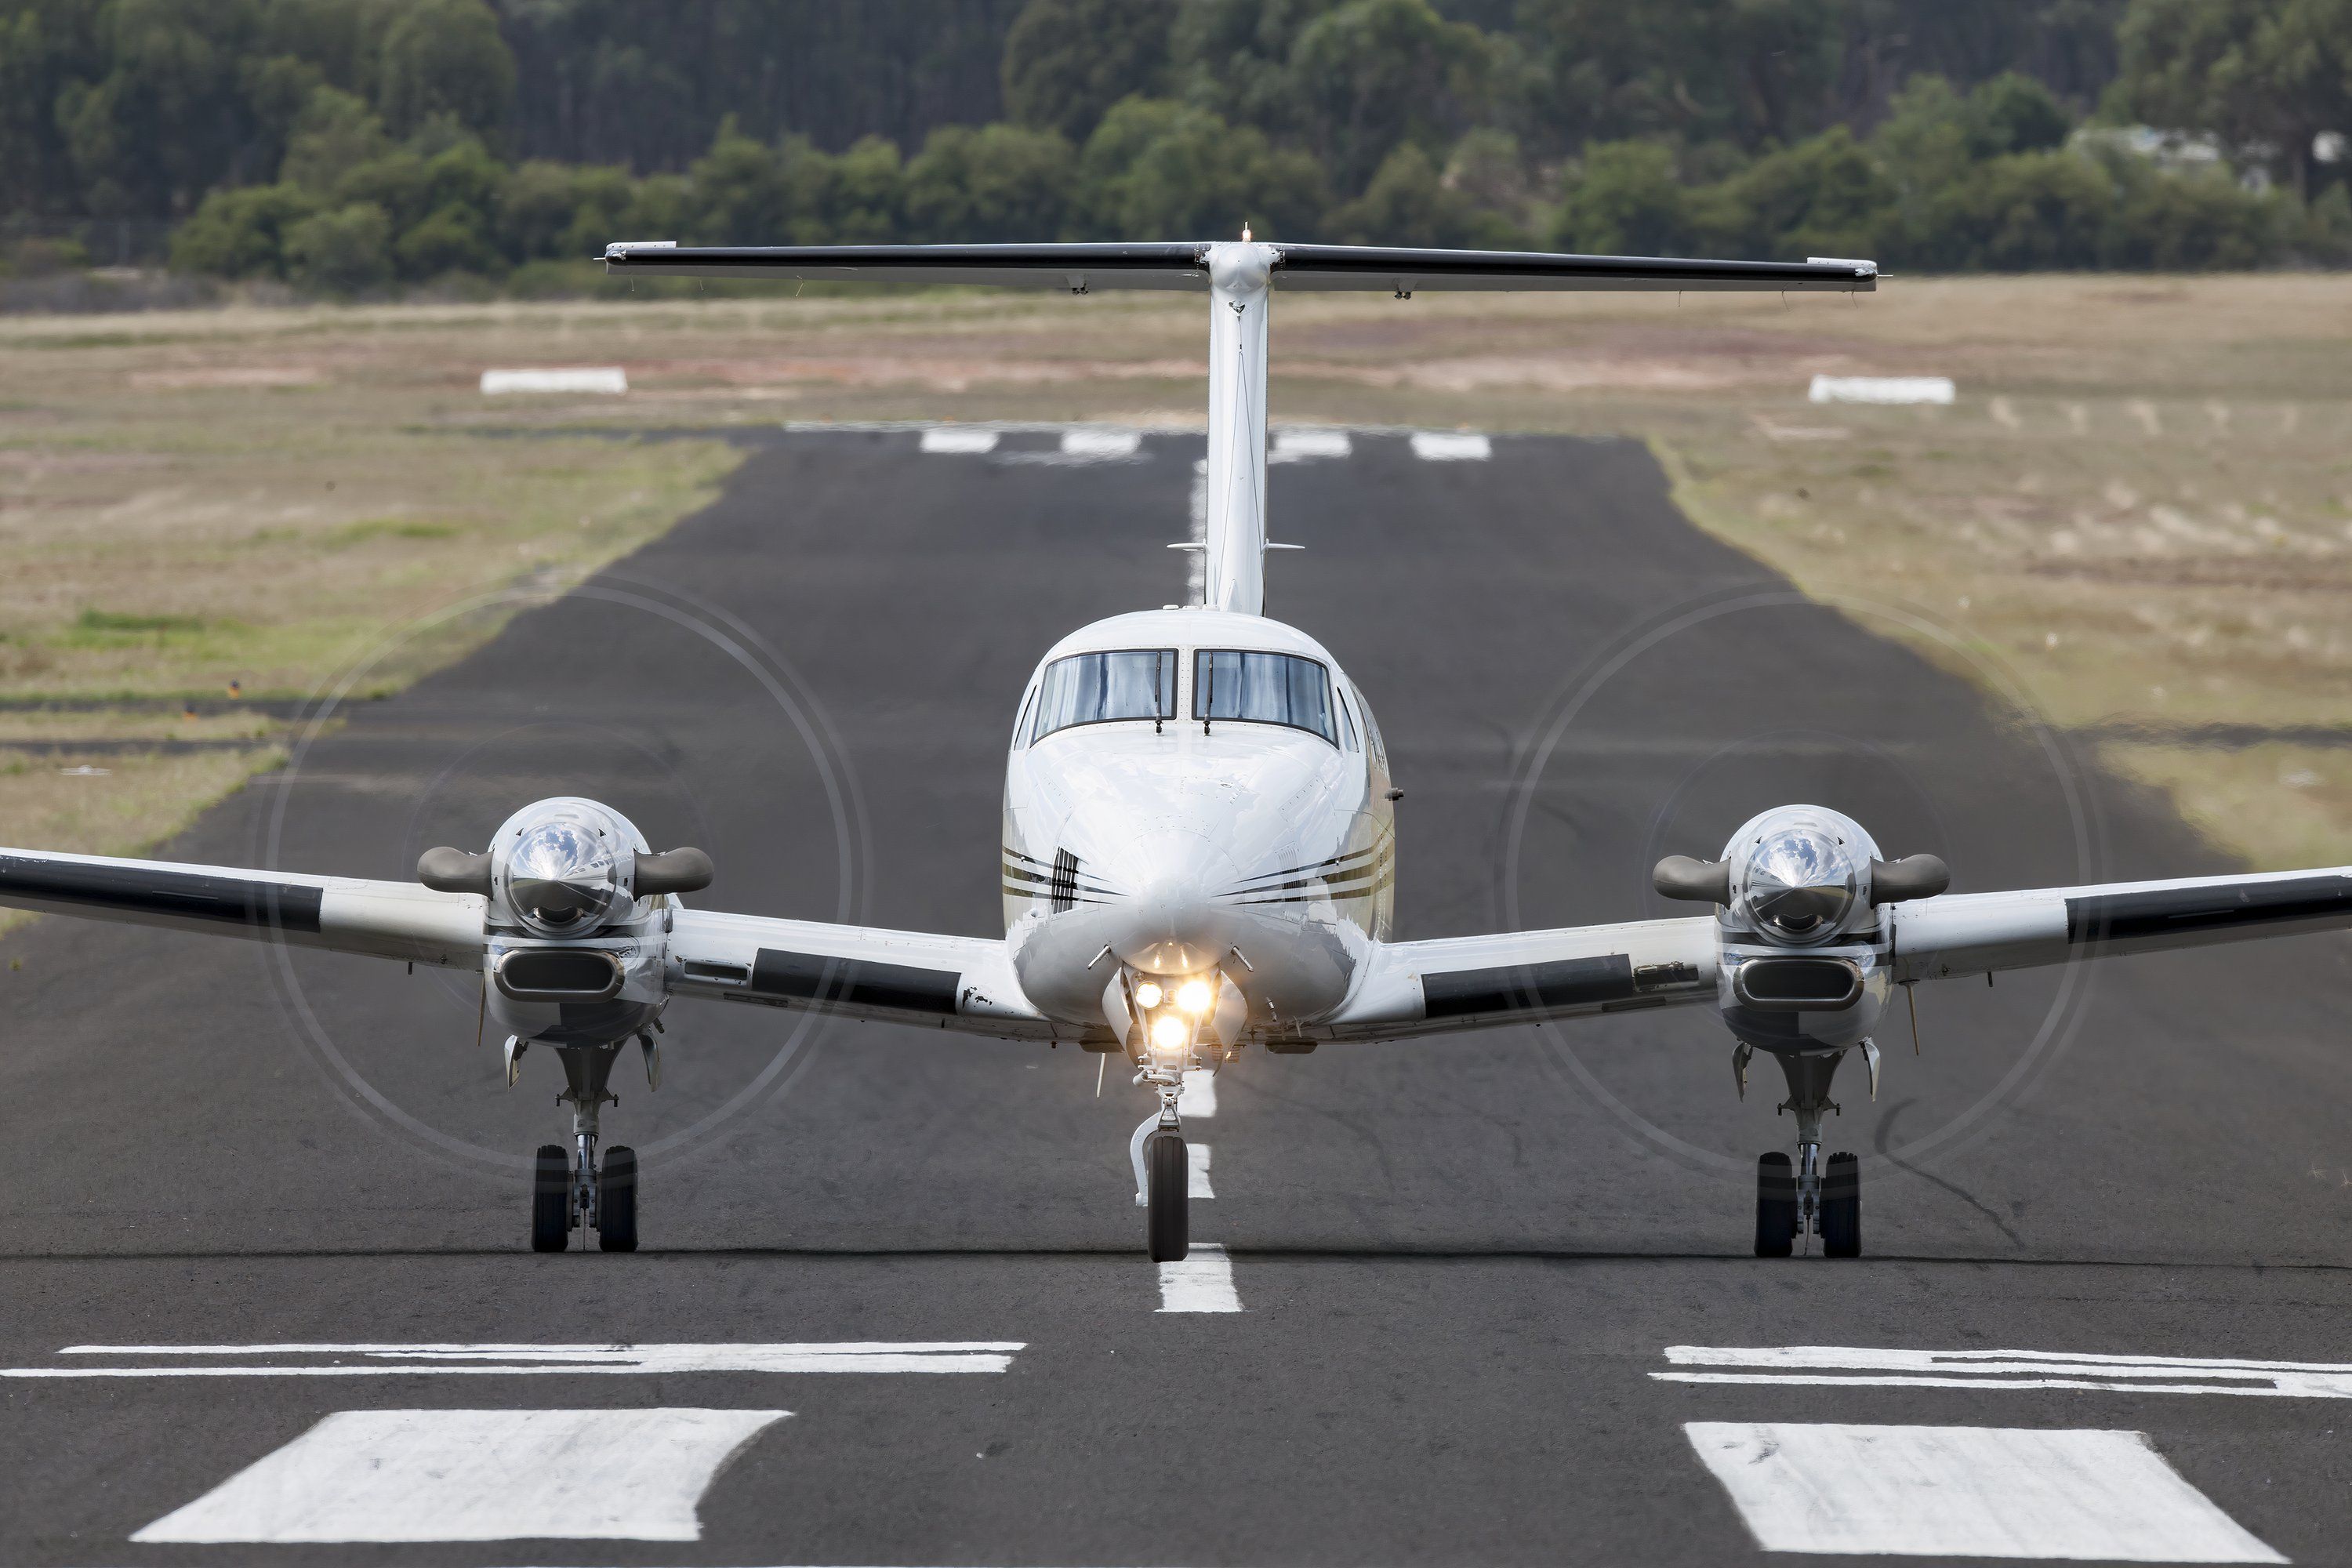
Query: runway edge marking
(1203, 1282)
(511, 1360)
(1834, 1366)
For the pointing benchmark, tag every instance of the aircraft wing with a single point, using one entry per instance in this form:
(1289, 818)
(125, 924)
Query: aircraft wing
(343, 914)
(1082, 269)
(1484, 982)
(953, 983)
(960, 982)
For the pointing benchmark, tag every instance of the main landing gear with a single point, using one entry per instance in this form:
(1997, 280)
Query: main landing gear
(1163, 1175)
(570, 1190)
(1807, 1198)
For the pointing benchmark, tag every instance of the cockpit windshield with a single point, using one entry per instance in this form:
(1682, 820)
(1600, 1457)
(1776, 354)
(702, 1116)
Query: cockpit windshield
(1097, 688)
(1263, 689)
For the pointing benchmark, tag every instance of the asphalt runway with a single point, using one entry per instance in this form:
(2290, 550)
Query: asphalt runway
(1461, 1265)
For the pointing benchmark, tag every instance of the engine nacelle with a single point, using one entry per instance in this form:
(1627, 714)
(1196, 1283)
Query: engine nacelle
(577, 918)
(1797, 891)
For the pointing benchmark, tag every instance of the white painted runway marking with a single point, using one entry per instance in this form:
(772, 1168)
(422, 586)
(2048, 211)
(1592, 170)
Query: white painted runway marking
(1084, 441)
(1838, 1366)
(609, 380)
(1966, 1491)
(1447, 447)
(1197, 1155)
(1880, 389)
(522, 1360)
(1203, 1282)
(476, 1475)
(945, 438)
(1300, 445)
(1200, 1095)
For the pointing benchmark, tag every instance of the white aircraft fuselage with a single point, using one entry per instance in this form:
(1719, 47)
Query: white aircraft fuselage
(1256, 854)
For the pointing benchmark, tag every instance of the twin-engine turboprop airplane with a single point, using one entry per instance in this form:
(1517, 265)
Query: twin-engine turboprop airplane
(1200, 838)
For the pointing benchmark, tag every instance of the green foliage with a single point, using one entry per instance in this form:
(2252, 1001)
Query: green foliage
(348, 145)
(342, 251)
(997, 184)
(2264, 76)
(1067, 61)
(1159, 170)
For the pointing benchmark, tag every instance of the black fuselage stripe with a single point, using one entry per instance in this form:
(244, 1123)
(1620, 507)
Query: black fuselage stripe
(2173, 911)
(177, 895)
(1563, 983)
(856, 981)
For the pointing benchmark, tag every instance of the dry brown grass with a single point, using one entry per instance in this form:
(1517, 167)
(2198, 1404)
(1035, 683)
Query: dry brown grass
(2141, 505)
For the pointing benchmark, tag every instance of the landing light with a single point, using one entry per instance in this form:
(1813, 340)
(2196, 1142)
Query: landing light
(1195, 997)
(1169, 1033)
(1148, 996)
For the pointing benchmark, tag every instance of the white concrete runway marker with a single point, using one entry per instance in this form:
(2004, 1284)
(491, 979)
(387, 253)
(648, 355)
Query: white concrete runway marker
(1200, 1096)
(945, 438)
(609, 380)
(476, 1475)
(1197, 1155)
(1844, 1367)
(1880, 389)
(1966, 1491)
(1301, 446)
(1203, 1282)
(1088, 441)
(519, 1360)
(1447, 447)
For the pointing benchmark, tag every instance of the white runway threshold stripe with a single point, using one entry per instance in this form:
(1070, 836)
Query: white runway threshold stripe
(476, 1475)
(1203, 1282)
(1092, 441)
(1304, 446)
(1896, 389)
(1966, 1491)
(946, 439)
(1843, 1367)
(1196, 1156)
(1199, 1094)
(1449, 446)
(368, 1360)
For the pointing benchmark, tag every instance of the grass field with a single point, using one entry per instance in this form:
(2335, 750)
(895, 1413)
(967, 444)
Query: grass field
(2140, 507)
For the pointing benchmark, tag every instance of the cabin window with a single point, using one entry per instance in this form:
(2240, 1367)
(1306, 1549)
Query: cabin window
(1263, 688)
(1099, 688)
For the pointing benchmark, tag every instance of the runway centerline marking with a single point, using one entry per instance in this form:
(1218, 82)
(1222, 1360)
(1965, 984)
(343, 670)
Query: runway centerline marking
(372, 1360)
(957, 440)
(1199, 1094)
(476, 1475)
(1844, 1367)
(1196, 1157)
(1448, 447)
(1203, 1282)
(1966, 1491)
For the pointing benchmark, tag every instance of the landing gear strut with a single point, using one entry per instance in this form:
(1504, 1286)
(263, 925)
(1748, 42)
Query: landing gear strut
(569, 1191)
(1809, 1200)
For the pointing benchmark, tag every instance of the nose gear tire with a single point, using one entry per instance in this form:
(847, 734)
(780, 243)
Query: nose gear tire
(1775, 1206)
(550, 1200)
(617, 1200)
(1169, 1225)
(1841, 1208)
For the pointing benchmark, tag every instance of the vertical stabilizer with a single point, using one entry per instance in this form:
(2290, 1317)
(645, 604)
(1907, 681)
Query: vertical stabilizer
(1240, 276)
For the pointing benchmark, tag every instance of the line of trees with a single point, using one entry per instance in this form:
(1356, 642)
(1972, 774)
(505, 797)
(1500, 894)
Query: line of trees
(351, 144)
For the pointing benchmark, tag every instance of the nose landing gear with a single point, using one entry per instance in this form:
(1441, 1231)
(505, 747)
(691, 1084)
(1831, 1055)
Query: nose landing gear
(1163, 1175)
(1809, 1200)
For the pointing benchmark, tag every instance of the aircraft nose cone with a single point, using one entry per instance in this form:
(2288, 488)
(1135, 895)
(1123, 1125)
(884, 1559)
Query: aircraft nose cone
(1172, 923)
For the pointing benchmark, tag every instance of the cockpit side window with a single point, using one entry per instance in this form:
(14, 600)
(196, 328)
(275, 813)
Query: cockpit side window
(1256, 688)
(1348, 721)
(1100, 688)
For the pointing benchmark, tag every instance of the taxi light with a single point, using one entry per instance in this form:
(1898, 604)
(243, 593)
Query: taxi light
(1195, 996)
(1148, 995)
(1169, 1033)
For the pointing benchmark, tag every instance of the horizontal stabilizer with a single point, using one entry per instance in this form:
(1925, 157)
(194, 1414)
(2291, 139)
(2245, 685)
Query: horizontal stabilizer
(1083, 268)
